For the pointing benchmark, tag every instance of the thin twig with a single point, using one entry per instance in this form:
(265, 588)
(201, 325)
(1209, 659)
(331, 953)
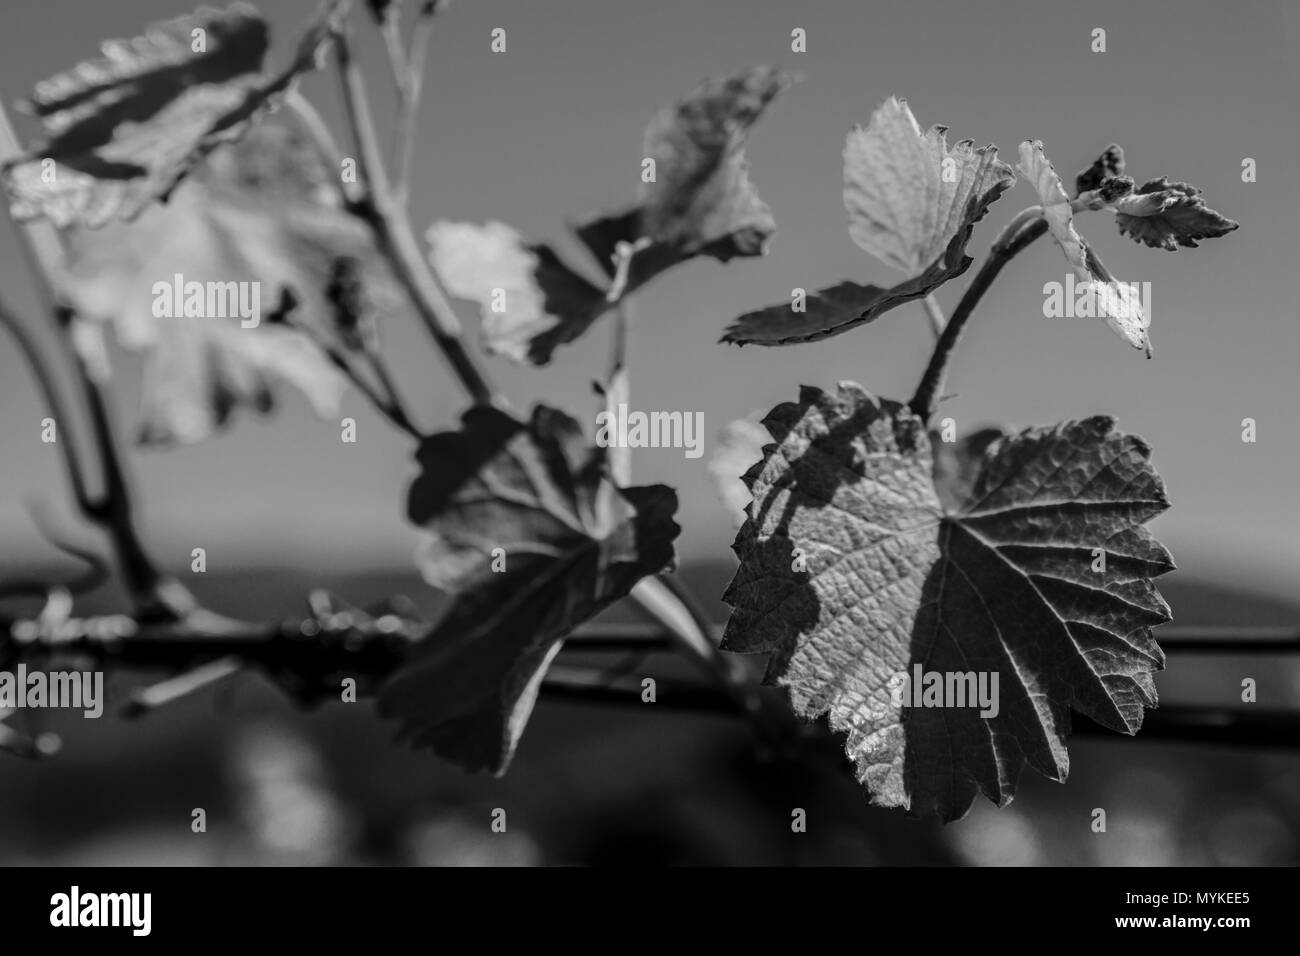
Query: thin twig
(1006, 247)
(97, 568)
(149, 699)
(49, 391)
(1026, 226)
(410, 87)
(932, 309)
(314, 125)
(391, 30)
(155, 594)
(392, 230)
(386, 402)
(391, 395)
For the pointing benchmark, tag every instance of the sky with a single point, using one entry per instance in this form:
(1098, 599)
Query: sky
(551, 130)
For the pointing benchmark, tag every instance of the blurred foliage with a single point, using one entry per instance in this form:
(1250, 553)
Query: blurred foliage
(604, 785)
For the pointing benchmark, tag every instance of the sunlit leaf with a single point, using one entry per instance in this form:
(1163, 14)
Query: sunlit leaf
(529, 546)
(908, 193)
(1116, 301)
(1166, 215)
(913, 202)
(855, 572)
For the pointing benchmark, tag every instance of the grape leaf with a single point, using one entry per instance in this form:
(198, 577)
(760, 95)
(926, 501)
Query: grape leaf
(831, 311)
(913, 202)
(1116, 301)
(1001, 581)
(569, 550)
(602, 235)
(701, 193)
(702, 202)
(908, 193)
(1166, 215)
(123, 130)
(529, 300)
(261, 211)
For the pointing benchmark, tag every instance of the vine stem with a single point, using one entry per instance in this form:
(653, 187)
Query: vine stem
(155, 595)
(1015, 237)
(409, 68)
(379, 208)
(209, 647)
(933, 310)
(45, 381)
(385, 398)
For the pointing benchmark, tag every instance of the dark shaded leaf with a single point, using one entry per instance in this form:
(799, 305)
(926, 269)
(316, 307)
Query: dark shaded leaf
(571, 546)
(1166, 215)
(381, 10)
(1001, 582)
(125, 129)
(829, 312)
(1109, 164)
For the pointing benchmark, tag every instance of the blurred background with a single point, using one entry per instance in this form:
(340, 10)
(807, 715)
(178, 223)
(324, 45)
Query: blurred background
(551, 130)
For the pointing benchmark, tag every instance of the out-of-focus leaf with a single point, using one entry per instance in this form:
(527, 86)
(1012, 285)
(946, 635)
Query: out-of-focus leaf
(381, 10)
(738, 446)
(1116, 301)
(908, 193)
(957, 464)
(123, 130)
(258, 212)
(1166, 215)
(567, 551)
(854, 573)
(702, 202)
(530, 301)
(701, 194)
(603, 234)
